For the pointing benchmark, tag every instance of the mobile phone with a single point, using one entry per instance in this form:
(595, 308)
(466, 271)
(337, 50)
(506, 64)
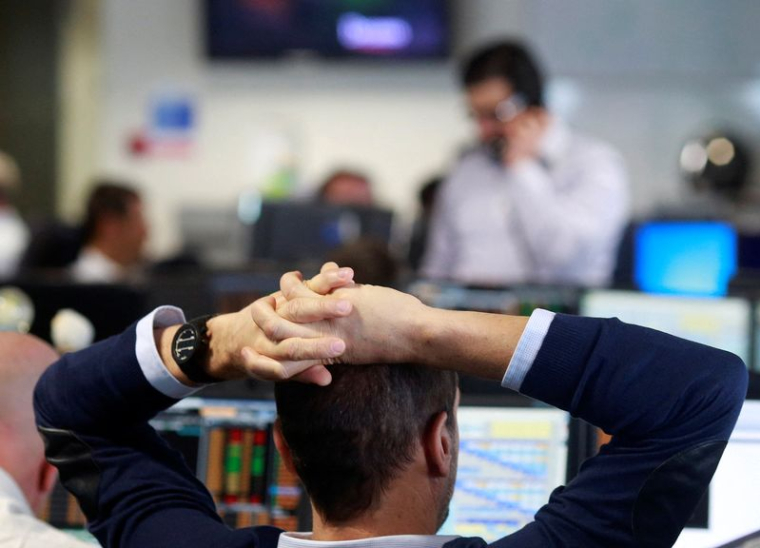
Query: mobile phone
(510, 107)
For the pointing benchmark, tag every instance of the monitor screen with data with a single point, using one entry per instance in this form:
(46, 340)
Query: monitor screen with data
(510, 460)
(229, 445)
(734, 493)
(722, 323)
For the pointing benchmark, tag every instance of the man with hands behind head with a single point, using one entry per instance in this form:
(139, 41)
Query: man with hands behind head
(376, 445)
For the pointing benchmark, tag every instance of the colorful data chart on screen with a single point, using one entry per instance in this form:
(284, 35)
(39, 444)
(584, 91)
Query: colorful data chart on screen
(510, 460)
(229, 444)
(720, 322)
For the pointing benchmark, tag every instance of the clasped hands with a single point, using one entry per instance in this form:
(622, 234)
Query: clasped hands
(308, 324)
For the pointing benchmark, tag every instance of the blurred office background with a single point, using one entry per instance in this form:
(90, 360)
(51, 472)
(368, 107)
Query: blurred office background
(82, 81)
(128, 88)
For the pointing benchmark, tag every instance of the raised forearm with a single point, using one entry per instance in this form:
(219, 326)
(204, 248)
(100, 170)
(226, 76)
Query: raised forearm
(472, 343)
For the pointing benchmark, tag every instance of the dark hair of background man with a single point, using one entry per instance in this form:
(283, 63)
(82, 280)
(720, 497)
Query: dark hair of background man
(350, 439)
(108, 199)
(510, 61)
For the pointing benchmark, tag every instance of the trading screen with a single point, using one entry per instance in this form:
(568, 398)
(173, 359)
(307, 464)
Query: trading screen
(510, 460)
(734, 503)
(229, 444)
(722, 323)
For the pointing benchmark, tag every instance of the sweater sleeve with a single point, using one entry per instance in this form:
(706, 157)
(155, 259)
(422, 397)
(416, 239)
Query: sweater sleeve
(670, 405)
(92, 410)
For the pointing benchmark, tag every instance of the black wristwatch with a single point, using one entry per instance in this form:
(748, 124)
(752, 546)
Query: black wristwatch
(190, 349)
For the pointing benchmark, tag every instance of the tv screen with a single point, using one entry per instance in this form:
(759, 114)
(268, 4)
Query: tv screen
(392, 29)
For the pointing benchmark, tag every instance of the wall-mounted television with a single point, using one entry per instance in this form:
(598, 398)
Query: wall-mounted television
(342, 29)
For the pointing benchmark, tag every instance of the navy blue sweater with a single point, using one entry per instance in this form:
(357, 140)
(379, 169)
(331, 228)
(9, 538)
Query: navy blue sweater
(670, 405)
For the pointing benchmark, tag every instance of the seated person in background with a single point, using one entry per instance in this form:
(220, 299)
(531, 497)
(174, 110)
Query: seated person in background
(370, 259)
(533, 202)
(377, 450)
(14, 234)
(25, 478)
(345, 187)
(114, 235)
(421, 227)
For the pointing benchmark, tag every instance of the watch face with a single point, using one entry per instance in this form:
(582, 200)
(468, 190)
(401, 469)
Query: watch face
(185, 343)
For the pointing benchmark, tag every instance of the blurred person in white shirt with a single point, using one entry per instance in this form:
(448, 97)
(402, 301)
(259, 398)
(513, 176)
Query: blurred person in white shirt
(115, 232)
(533, 201)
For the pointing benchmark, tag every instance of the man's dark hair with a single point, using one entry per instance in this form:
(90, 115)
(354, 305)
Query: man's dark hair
(510, 61)
(107, 199)
(350, 439)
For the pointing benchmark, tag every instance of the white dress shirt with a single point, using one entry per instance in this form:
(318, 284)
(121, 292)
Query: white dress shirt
(303, 540)
(18, 526)
(92, 266)
(557, 219)
(14, 237)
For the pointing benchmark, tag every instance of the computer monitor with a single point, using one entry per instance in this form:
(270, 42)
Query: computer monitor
(685, 257)
(749, 251)
(510, 460)
(214, 236)
(303, 231)
(503, 300)
(722, 323)
(734, 493)
(229, 445)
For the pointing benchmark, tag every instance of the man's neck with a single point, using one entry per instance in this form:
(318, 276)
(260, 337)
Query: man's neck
(408, 508)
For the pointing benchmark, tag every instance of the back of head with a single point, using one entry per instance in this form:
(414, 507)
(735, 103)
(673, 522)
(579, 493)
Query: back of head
(23, 359)
(108, 199)
(351, 439)
(510, 61)
(346, 187)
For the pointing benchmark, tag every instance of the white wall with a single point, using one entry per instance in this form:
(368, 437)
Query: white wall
(404, 122)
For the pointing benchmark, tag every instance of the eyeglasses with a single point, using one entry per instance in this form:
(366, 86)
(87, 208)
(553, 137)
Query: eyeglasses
(505, 111)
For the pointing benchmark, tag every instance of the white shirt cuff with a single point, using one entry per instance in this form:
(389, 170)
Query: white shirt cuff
(527, 348)
(147, 354)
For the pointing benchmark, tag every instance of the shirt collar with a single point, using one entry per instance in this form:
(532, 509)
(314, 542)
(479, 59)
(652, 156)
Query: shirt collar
(303, 540)
(12, 495)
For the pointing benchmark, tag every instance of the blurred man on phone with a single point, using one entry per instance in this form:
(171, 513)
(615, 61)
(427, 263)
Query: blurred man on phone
(533, 201)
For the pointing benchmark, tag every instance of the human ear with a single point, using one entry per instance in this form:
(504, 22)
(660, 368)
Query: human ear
(438, 445)
(47, 478)
(282, 447)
